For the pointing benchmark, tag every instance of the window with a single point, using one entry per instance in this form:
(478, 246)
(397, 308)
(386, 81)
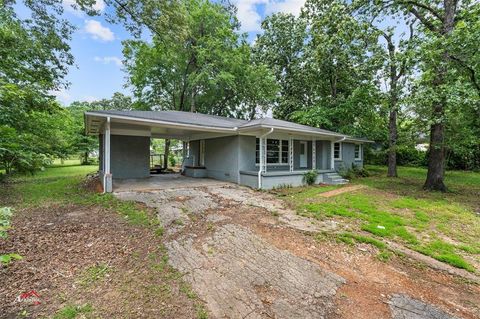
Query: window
(358, 152)
(337, 151)
(277, 151)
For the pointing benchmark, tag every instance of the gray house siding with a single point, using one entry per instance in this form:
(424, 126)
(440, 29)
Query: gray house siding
(130, 156)
(246, 158)
(221, 158)
(323, 150)
(348, 157)
(194, 153)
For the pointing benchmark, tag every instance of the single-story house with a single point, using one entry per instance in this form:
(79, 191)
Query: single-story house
(261, 153)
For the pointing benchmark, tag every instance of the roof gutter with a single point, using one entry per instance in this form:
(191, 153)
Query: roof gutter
(174, 124)
(289, 130)
(260, 168)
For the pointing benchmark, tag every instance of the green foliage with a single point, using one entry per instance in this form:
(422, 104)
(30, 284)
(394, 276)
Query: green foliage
(406, 156)
(397, 209)
(445, 252)
(5, 222)
(93, 274)
(310, 177)
(5, 217)
(354, 172)
(7, 258)
(205, 66)
(384, 256)
(172, 160)
(362, 239)
(72, 312)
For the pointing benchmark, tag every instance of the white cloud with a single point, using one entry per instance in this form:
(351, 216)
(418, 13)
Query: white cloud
(287, 6)
(62, 96)
(98, 31)
(250, 18)
(248, 15)
(109, 59)
(69, 6)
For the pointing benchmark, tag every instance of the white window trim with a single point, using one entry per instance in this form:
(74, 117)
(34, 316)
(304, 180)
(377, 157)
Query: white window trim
(339, 153)
(359, 158)
(279, 151)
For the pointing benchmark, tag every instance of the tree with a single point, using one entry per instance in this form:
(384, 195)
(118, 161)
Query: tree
(34, 58)
(282, 48)
(439, 21)
(325, 68)
(207, 67)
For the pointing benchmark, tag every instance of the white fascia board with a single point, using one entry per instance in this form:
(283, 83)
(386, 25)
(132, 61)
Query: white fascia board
(163, 123)
(357, 141)
(279, 128)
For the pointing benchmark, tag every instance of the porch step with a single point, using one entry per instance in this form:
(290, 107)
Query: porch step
(334, 179)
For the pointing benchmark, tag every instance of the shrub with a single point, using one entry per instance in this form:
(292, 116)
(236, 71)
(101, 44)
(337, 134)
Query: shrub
(354, 172)
(172, 160)
(5, 217)
(310, 177)
(406, 156)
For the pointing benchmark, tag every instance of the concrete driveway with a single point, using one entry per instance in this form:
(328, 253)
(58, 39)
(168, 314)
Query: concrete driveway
(246, 255)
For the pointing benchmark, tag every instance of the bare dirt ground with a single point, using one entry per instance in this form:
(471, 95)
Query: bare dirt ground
(235, 252)
(247, 256)
(60, 244)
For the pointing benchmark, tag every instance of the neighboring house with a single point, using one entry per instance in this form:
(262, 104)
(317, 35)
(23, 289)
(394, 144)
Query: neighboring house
(261, 153)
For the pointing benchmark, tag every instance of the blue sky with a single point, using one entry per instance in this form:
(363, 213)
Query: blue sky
(97, 48)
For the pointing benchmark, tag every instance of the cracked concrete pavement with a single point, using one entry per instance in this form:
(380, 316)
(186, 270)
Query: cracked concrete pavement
(238, 273)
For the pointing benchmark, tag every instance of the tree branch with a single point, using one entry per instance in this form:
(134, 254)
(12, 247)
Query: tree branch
(428, 24)
(470, 70)
(426, 7)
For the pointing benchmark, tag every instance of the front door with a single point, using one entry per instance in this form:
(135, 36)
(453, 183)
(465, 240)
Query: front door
(303, 154)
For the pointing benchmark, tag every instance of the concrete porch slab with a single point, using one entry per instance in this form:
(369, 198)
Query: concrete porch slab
(162, 182)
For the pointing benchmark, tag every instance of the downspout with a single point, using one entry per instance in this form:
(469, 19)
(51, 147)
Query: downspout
(261, 157)
(106, 166)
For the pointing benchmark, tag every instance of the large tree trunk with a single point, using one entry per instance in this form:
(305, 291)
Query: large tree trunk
(85, 158)
(193, 108)
(167, 152)
(393, 108)
(392, 149)
(436, 155)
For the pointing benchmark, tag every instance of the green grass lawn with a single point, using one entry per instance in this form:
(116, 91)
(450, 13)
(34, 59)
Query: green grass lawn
(445, 226)
(62, 185)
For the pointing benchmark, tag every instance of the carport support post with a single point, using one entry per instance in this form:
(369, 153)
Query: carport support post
(107, 184)
(332, 157)
(314, 155)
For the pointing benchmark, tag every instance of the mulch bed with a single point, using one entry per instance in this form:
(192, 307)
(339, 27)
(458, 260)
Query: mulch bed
(59, 243)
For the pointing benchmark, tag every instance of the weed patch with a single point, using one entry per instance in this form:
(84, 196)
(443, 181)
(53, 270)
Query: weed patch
(93, 274)
(71, 311)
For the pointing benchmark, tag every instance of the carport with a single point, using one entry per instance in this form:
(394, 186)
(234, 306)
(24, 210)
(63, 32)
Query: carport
(124, 142)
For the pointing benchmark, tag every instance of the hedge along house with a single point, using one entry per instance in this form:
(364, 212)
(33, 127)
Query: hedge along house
(262, 153)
